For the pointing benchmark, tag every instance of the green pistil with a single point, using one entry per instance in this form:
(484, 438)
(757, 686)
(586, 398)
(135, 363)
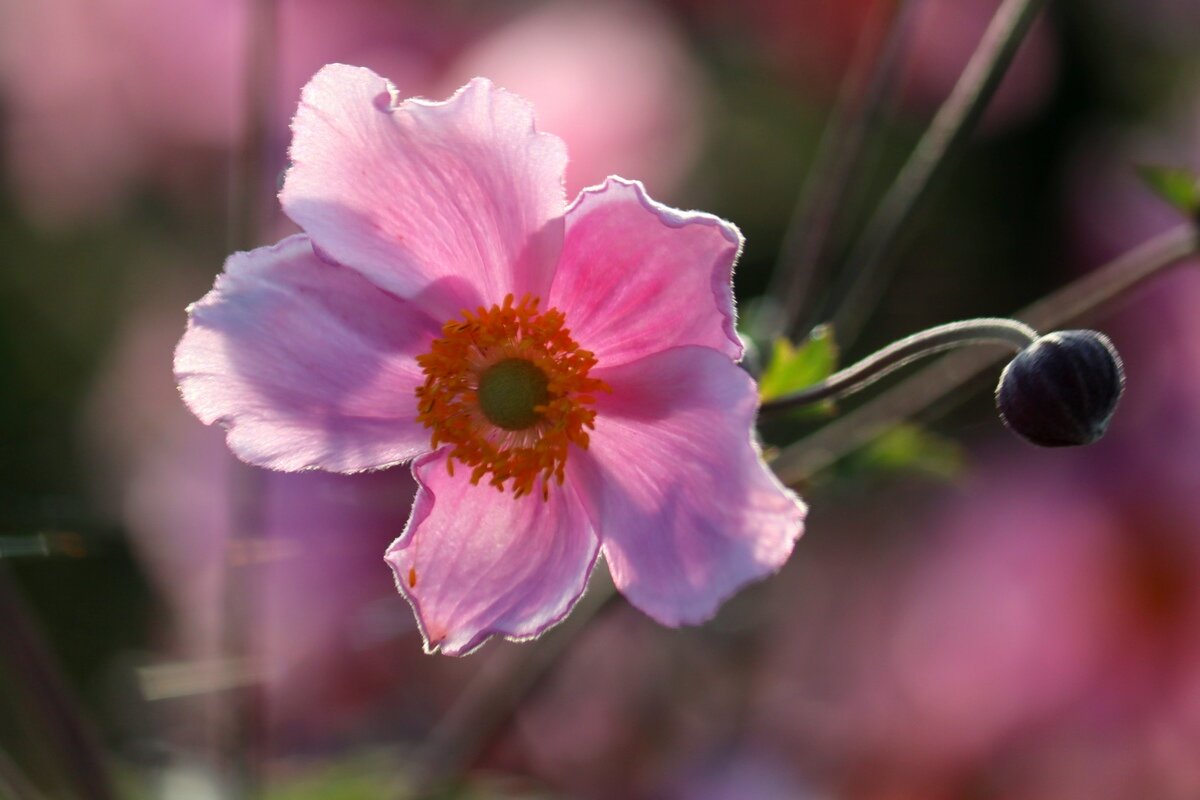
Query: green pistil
(509, 391)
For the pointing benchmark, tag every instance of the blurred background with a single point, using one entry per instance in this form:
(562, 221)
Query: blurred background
(966, 616)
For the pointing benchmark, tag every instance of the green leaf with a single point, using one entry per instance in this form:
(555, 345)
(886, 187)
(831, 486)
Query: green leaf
(792, 368)
(912, 448)
(1178, 186)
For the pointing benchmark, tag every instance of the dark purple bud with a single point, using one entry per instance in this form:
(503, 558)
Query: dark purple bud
(1062, 389)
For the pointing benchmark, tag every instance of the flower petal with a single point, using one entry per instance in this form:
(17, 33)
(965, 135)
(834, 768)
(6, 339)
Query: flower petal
(474, 561)
(637, 277)
(686, 509)
(306, 363)
(464, 196)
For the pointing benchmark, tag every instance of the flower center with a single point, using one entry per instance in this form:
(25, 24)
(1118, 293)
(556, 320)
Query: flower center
(508, 389)
(511, 391)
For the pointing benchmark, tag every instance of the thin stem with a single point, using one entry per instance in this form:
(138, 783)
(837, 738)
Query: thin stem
(798, 461)
(239, 731)
(956, 119)
(1008, 332)
(839, 156)
(44, 544)
(248, 199)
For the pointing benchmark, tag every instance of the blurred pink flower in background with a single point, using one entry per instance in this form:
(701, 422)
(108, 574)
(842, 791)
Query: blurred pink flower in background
(999, 622)
(1044, 631)
(323, 648)
(614, 80)
(159, 83)
(631, 712)
(603, 705)
(163, 85)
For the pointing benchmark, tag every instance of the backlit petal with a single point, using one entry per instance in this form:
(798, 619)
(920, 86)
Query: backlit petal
(475, 561)
(306, 363)
(637, 277)
(686, 510)
(460, 202)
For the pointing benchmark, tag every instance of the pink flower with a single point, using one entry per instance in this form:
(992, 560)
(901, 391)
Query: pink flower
(615, 80)
(157, 124)
(591, 403)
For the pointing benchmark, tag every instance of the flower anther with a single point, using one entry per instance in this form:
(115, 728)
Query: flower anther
(508, 389)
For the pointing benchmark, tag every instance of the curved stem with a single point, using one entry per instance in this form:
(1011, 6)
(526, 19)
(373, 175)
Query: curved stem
(1016, 335)
(798, 461)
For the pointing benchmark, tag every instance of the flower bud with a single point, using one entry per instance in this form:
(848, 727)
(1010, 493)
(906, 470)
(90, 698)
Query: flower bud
(1062, 389)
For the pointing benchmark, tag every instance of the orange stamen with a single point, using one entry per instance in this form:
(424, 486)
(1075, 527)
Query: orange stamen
(448, 403)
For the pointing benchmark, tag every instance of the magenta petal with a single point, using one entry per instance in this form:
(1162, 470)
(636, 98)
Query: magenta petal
(637, 277)
(460, 201)
(686, 510)
(475, 561)
(306, 363)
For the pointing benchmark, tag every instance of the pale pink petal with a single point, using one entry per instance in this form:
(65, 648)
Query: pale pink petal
(460, 201)
(306, 363)
(637, 277)
(686, 510)
(474, 561)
